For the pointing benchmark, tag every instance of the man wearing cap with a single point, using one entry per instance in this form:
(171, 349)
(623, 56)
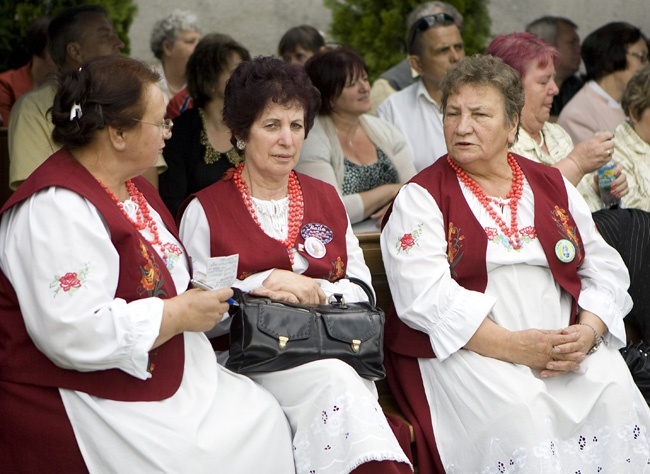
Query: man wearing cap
(434, 44)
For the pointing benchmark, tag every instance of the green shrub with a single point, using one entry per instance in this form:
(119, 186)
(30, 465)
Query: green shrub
(16, 16)
(376, 28)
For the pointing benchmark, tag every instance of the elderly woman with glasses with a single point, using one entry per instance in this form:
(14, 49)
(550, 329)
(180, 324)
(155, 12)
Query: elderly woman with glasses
(105, 366)
(611, 55)
(434, 45)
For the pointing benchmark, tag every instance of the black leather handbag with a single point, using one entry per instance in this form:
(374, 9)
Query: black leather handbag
(637, 358)
(268, 335)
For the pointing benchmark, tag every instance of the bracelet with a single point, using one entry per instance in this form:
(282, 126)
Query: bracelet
(597, 339)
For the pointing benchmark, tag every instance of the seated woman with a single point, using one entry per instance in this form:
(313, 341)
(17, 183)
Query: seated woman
(545, 141)
(632, 149)
(338, 426)
(365, 157)
(503, 292)
(200, 151)
(173, 39)
(105, 366)
(300, 43)
(627, 230)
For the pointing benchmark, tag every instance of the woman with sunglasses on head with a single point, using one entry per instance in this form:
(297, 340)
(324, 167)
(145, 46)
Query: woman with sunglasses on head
(104, 363)
(364, 157)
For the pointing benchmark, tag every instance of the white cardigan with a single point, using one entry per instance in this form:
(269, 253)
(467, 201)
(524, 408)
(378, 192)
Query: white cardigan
(322, 156)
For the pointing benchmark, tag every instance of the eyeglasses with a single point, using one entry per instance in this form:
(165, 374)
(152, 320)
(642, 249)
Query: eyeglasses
(427, 22)
(643, 58)
(165, 126)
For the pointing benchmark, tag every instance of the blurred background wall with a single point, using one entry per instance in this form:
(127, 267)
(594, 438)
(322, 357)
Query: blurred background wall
(259, 24)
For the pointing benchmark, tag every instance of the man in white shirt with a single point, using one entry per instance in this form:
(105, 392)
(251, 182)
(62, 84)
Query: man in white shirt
(434, 44)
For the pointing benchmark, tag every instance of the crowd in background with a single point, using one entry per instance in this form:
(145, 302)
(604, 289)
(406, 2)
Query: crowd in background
(512, 193)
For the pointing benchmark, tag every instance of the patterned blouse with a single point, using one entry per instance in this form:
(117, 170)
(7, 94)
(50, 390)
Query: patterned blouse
(360, 178)
(634, 154)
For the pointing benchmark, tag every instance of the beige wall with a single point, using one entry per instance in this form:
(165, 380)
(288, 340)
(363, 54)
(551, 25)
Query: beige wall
(259, 24)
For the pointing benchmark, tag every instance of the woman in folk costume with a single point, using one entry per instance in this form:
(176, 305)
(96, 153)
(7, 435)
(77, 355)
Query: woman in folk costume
(294, 242)
(104, 364)
(503, 347)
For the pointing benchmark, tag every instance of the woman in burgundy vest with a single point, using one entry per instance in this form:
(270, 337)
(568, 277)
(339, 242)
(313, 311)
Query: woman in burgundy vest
(504, 292)
(104, 366)
(293, 241)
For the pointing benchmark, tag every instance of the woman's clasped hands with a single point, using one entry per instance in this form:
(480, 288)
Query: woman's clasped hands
(554, 352)
(291, 287)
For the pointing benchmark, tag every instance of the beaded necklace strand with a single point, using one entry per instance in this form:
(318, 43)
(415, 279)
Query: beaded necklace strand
(143, 216)
(514, 195)
(296, 207)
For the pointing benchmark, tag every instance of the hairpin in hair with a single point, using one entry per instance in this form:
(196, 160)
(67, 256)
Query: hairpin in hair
(75, 112)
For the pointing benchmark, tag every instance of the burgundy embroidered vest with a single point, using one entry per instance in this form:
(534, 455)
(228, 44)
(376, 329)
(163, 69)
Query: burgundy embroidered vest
(142, 274)
(467, 262)
(235, 232)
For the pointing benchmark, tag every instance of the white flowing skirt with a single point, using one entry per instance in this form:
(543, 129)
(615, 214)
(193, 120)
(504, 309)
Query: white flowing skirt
(217, 422)
(491, 416)
(336, 420)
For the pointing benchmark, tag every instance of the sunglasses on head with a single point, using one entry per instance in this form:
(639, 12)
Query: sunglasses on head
(427, 22)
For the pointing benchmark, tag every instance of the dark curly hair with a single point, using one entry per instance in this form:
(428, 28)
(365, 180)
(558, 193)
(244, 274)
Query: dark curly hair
(110, 90)
(264, 80)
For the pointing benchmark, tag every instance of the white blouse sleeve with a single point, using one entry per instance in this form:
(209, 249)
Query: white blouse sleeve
(603, 274)
(58, 256)
(195, 234)
(426, 298)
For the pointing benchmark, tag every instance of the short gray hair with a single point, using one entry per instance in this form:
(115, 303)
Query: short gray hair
(547, 27)
(431, 8)
(168, 28)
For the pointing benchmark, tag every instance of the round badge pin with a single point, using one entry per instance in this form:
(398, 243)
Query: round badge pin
(315, 247)
(565, 251)
(320, 231)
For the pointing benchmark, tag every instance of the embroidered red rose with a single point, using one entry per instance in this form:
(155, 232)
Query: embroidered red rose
(407, 241)
(491, 233)
(529, 231)
(69, 281)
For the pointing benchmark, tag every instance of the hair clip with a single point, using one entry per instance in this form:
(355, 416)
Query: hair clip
(75, 112)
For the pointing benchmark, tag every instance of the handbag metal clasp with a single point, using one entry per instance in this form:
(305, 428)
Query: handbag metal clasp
(356, 343)
(336, 299)
(282, 341)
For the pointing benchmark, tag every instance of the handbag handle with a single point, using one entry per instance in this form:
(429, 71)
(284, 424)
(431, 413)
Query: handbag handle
(365, 287)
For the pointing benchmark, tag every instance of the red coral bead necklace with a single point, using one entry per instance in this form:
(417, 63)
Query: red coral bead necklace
(296, 206)
(143, 216)
(514, 195)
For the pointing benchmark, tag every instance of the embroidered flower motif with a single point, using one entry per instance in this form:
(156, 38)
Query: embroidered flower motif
(491, 232)
(409, 240)
(338, 270)
(151, 280)
(70, 282)
(567, 231)
(528, 231)
(454, 247)
(171, 254)
(526, 235)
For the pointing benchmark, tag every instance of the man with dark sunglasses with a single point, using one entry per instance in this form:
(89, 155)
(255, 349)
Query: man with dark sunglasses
(434, 44)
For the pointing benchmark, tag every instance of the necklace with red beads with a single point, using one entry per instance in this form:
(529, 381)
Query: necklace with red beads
(143, 218)
(514, 195)
(296, 207)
